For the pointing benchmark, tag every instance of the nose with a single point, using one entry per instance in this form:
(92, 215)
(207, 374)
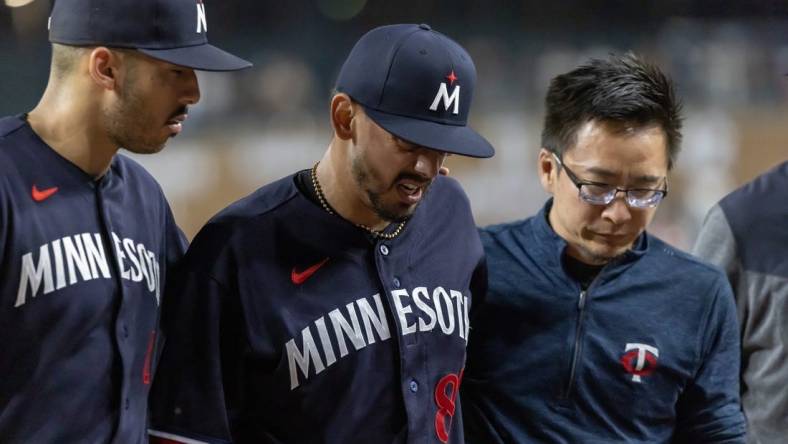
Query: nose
(190, 88)
(618, 211)
(428, 162)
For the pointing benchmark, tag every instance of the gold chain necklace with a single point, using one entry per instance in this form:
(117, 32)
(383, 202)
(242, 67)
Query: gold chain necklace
(324, 204)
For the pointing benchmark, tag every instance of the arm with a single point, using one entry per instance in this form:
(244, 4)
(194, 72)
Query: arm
(709, 408)
(478, 287)
(191, 399)
(175, 239)
(717, 245)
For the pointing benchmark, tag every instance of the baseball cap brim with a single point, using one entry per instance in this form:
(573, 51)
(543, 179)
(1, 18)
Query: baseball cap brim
(453, 139)
(200, 57)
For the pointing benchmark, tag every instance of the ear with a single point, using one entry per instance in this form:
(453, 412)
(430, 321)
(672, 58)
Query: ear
(104, 67)
(547, 170)
(342, 113)
(443, 171)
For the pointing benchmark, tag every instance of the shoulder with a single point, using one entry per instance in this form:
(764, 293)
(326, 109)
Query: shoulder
(505, 228)
(715, 241)
(764, 196)
(256, 213)
(504, 234)
(756, 215)
(444, 205)
(763, 190)
(138, 181)
(133, 173)
(450, 193)
(260, 204)
(12, 152)
(9, 127)
(684, 268)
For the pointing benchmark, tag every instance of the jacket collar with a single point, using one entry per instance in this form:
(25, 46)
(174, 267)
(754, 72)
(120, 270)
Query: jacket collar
(552, 246)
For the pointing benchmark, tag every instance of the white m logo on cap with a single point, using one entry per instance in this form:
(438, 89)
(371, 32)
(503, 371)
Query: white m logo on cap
(443, 95)
(202, 19)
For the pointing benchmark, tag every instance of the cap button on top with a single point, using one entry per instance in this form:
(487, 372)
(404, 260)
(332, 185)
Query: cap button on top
(425, 26)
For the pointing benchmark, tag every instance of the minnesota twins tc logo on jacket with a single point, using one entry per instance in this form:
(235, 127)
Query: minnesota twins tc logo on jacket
(639, 360)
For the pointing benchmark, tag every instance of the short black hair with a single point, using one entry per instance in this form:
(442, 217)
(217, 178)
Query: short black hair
(620, 89)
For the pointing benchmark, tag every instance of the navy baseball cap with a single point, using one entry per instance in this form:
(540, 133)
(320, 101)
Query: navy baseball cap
(174, 31)
(417, 84)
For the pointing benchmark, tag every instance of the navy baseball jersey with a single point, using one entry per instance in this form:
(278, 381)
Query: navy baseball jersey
(82, 262)
(292, 325)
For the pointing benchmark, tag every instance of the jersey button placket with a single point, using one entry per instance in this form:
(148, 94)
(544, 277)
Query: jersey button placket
(384, 249)
(413, 385)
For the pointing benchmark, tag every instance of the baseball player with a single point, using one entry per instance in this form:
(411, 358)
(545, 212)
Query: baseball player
(332, 306)
(593, 330)
(746, 234)
(86, 236)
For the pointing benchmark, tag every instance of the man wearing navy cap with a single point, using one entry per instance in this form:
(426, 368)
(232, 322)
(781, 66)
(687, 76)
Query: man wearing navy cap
(86, 235)
(332, 305)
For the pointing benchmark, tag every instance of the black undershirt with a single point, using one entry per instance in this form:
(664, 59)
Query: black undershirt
(581, 272)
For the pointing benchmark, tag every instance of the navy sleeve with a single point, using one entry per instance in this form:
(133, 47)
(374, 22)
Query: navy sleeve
(176, 241)
(4, 218)
(478, 287)
(192, 395)
(709, 409)
(175, 244)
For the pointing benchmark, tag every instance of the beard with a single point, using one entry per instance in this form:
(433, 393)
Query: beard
(393, 212)
(131, 125)
(598, 258)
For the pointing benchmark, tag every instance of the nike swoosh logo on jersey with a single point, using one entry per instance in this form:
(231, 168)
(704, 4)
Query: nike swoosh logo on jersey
(42, 195)
(299, 278)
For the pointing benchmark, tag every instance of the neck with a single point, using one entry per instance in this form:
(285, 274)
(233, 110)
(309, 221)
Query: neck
(573, 250)
(341, 191)
(68, 123)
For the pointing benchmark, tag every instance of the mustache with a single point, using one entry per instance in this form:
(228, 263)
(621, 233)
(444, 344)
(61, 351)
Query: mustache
(414, 177)
(182, 110)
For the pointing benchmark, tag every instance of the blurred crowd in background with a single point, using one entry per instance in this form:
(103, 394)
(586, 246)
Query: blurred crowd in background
(728, 59)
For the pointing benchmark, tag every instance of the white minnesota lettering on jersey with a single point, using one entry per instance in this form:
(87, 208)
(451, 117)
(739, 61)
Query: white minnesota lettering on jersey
(446, 309)
(80, 258)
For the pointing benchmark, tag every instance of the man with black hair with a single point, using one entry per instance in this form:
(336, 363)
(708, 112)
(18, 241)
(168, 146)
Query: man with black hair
(593, 330)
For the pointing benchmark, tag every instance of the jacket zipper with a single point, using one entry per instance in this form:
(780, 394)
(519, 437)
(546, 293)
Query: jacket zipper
(581, 305)
(581, 309)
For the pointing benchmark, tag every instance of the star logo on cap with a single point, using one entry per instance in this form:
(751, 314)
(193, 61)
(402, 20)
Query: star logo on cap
(451, 78)
(448, 99)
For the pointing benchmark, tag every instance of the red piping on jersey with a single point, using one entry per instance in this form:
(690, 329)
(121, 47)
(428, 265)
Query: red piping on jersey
(148, 355)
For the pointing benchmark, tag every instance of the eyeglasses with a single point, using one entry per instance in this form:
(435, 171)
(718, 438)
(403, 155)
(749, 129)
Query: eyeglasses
(597, 193)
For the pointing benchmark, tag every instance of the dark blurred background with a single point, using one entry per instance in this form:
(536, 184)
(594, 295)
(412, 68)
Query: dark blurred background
(728, 59)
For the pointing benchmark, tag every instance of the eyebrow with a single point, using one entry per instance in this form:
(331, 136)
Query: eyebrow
(601, 172)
